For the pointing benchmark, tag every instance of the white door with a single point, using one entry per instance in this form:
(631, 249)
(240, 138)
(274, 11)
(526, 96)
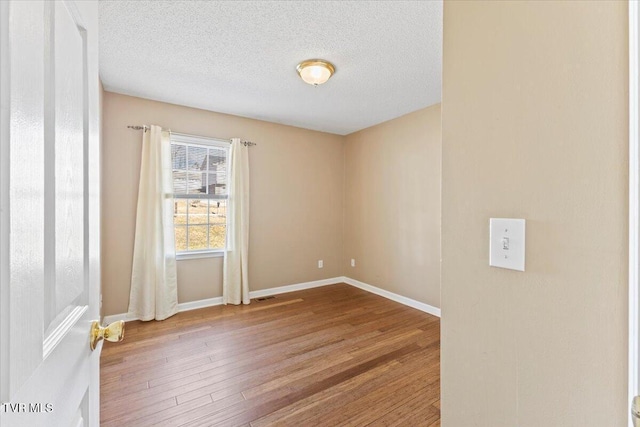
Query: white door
(49, 215)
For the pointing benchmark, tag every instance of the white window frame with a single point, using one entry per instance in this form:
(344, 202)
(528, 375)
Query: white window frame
(181, 138)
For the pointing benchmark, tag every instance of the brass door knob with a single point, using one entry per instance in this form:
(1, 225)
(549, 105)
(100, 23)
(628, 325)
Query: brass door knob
(114, 333)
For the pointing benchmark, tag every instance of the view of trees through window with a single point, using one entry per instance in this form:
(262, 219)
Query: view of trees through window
(200, 195)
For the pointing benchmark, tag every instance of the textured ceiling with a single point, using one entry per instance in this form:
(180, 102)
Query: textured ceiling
(240, 57)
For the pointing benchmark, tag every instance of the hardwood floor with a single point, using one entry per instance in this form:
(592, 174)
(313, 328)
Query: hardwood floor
(329, 356)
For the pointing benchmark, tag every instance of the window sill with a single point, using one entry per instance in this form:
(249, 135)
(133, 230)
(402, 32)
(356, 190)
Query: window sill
(202, 254)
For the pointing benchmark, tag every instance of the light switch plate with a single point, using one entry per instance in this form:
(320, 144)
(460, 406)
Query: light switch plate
(506, 243)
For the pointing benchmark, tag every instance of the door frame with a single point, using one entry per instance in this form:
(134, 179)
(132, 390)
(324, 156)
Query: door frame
(634, 206)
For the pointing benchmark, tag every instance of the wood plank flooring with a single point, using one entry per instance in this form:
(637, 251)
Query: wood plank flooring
(329, 356)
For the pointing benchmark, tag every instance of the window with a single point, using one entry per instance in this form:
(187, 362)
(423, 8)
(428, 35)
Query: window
(199, 193)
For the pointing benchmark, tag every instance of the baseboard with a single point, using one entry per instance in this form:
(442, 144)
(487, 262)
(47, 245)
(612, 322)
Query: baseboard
(210, 302)
(394, 297)
(116, 317)
(184, 306)
(297, 287)
(202, 303)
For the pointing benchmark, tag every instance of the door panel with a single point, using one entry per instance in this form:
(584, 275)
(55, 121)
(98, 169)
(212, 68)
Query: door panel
(49, 221)
(22, 256)
(65, 210)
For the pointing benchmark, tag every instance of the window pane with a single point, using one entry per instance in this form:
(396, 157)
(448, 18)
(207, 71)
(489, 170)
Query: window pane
(198, 211)
(217, 184)
(217, 167)
(217, 159)
(181, 238)
(196, 183)
(218, 212)
(196, 158)
(217, 236)
(179, 156)
(197, 237)
(179, 182)
(179, 211)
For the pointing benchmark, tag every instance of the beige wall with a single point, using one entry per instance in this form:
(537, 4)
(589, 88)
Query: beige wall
(392, 205)
(535, 127)
(296, 199)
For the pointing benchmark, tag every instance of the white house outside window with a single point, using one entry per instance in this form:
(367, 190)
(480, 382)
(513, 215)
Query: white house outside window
(200, 194)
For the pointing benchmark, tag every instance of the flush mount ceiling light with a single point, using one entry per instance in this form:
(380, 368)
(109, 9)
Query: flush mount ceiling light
(315, 71)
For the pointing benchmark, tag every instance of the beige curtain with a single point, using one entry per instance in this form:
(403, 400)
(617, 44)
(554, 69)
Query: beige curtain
(154, 290)
(235, 282)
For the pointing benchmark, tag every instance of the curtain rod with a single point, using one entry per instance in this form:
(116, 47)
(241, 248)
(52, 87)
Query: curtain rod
(145, 127)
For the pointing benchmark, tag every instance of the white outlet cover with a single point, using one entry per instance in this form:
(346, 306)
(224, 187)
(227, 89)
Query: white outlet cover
(507, 243)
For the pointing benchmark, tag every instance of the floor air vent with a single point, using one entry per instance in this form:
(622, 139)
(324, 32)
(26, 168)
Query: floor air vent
(264, 298)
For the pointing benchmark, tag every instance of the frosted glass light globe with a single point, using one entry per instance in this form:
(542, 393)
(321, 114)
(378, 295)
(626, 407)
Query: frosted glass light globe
(315, 71)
